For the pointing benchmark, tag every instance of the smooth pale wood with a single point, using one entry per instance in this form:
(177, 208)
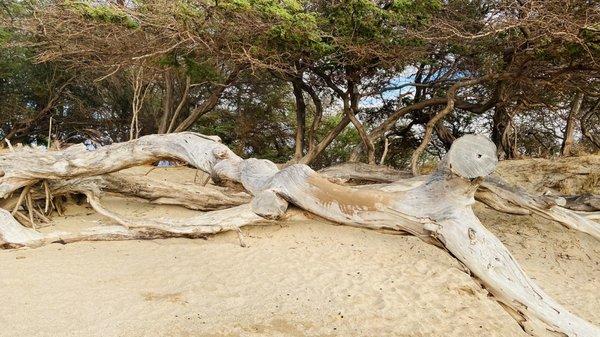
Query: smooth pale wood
(472, 156)
(14, 235)
(437, 210)
(30, 165)
(499, 195)
(269, 205)
(192, 196)
(543, 206)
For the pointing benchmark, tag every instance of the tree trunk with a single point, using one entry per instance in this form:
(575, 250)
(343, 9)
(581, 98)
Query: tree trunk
(350, 109)
(208, 104)
(501, 133)
(167, 103)
(313, 153)
(300, 120)
(593, 138)
(568, 138)
(318, 115)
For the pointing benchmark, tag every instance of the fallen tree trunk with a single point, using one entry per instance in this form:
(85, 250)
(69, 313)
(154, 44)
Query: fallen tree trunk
(14, 235)
(30, 165)
(574, 212)
(438, 210)
(190, 196)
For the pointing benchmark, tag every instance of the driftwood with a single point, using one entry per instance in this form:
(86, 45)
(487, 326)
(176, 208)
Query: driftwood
(437, 210)
(575, 212)
(191, 196)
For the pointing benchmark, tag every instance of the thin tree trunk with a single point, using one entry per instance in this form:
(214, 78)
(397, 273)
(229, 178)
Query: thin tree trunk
(350, 109)
(167, 103)
(182, 102)
(208, 104)
(312, 154)
(501, 133)
(568, 138)
(389, 122)
(318, 115)
(451, 97)
(300, 119)
(583, 123)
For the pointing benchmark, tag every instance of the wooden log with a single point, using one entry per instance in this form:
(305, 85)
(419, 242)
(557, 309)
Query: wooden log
(191, 196)
(14, 235)
(30, 165)
(499, 195)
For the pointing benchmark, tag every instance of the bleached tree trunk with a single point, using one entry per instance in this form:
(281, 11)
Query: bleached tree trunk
(438, 211)
(574, 212)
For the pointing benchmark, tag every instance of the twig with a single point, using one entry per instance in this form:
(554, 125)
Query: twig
(9, 145)
(241, 238)
(48, 196)
(50, 133)
(30, 210)
(386, 144)
(25, 219)
(20, 200)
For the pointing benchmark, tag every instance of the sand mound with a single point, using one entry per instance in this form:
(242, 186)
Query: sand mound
(295, 279)
(570, 175)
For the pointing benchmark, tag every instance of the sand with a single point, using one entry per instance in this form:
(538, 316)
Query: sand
(294, 279)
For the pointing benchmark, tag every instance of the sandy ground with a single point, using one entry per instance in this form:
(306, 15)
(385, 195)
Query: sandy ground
(295, 279)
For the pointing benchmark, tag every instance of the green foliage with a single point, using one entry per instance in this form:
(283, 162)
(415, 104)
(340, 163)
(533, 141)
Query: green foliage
(103, 13)
(292, 28)
(189, 11)
(201, 71)
(5, 37)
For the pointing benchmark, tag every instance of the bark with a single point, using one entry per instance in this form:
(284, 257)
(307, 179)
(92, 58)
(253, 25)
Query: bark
(583, 123)
(501, 133)
(300, 120)
(182, 102)
(583, 203)
(350, 109)
(318, 106)
(445, 135)
(167, 103)
(437, 211)
(568, 138)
